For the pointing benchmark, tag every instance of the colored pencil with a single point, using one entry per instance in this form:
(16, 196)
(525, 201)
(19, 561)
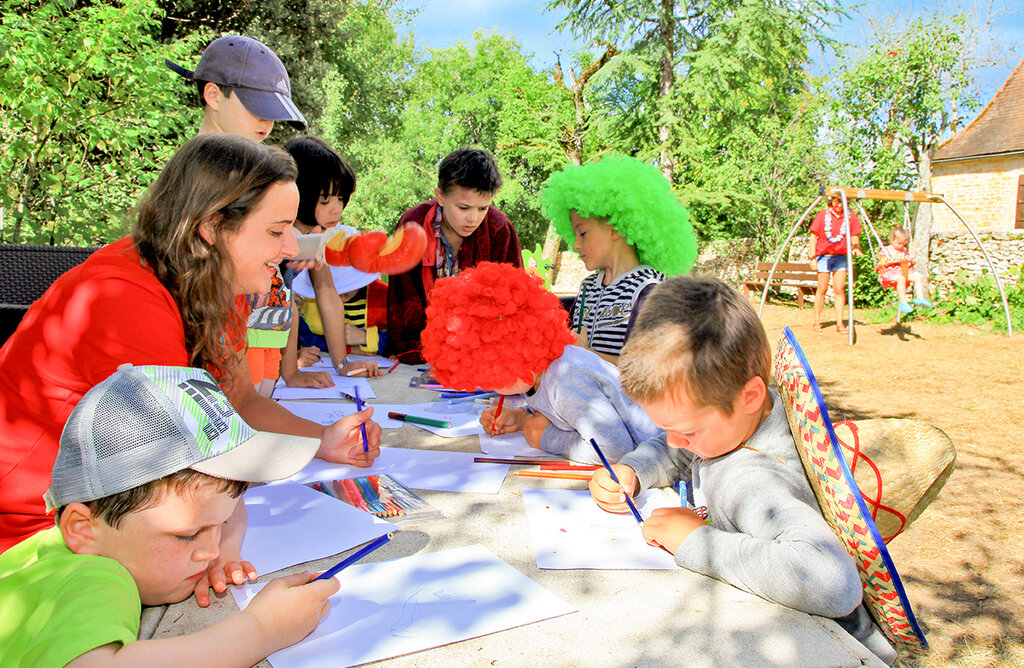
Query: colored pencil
(370, 496)
(393, 367)
(497, 412)
(348, 561)
(525, 461)
(583, 302)
(569, 466)
(354, 492)
(554, 474)
(470, 397)
(362, 426)
(355, 371)
(456, 395)
(629, 501)
(415, 419)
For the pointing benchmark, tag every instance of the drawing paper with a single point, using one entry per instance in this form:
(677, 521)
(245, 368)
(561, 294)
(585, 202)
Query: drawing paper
(389, 608)
(290, 524)
(344, 388)
(325, 363)
(417, 469)
(568, 530)
(508, 445)
(326, 413)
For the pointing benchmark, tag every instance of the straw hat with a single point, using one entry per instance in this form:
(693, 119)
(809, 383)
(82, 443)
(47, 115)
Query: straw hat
(901, 465)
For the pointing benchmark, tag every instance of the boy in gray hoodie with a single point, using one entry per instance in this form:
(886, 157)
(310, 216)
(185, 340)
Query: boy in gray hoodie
(697, 362)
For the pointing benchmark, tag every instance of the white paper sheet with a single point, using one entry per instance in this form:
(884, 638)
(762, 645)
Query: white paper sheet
(418, 469)
(464, 417)
(326, 413)
(344, 388)
(389, 608)
(568, 530)
(290, 524)
(508, 445)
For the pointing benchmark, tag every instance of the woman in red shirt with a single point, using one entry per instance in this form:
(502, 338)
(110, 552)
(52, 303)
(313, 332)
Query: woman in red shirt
(827, 250)
(211, 229)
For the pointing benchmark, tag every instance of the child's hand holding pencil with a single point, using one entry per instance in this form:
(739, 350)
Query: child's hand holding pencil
(510, 420)
(611, 495)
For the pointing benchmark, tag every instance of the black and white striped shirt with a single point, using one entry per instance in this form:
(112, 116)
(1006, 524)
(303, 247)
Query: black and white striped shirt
(608, 310)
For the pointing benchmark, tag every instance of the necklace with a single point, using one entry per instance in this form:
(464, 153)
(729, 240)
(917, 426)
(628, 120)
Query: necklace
(828, 228)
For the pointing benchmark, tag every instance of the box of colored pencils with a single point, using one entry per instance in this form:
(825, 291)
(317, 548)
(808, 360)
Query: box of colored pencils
(382, 496)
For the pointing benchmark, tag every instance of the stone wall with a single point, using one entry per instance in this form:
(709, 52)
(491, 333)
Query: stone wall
(952, 251)
(984, 191)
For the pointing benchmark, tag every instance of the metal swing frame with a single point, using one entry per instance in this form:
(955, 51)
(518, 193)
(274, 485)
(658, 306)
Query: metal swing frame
(887, 195)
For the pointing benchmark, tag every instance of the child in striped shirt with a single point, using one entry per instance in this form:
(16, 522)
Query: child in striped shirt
(622, 217)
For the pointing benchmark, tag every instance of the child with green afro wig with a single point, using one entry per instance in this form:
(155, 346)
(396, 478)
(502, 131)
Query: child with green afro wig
(621, 216)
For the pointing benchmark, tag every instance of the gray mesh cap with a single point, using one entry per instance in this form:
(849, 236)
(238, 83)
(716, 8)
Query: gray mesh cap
(146, 422)
(255, 74)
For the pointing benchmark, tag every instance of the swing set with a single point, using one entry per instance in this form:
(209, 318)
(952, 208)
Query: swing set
(859, 194)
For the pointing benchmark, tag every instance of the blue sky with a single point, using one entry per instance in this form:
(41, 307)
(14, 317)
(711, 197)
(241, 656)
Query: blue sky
(442, 23)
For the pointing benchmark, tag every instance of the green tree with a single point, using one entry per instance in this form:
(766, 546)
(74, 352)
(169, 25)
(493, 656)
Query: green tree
(88, 115)
(896, 101)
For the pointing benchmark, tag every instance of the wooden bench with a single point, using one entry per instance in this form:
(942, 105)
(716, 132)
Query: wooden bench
(798, 276)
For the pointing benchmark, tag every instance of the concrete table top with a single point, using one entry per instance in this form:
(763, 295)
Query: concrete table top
(625, 618)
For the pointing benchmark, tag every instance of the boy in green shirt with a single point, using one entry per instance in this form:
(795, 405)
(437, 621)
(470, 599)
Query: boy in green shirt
(152, 463)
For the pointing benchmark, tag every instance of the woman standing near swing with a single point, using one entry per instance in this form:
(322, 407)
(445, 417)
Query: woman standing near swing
(827, 249)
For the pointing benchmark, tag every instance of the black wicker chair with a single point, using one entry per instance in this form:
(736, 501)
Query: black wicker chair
(25, 274)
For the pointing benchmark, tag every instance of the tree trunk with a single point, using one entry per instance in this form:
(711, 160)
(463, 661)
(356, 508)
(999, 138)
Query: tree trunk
(666, 81)
(923, 219)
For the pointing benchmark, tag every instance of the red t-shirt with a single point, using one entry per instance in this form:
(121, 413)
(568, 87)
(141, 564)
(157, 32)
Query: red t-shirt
(107, 311)
(825, 246)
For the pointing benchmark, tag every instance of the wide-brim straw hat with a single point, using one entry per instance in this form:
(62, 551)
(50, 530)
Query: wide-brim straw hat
(900, 464)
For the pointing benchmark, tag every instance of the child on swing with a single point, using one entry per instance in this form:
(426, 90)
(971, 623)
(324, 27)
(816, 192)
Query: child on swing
(894, 270)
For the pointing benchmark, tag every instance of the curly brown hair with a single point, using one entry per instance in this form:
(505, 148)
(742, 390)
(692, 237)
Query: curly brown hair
(221, 179)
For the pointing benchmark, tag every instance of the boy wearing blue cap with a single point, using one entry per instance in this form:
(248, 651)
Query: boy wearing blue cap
(152, 463)
(244, 88)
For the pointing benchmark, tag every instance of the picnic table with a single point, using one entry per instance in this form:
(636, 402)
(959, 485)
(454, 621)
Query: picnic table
(624, 618)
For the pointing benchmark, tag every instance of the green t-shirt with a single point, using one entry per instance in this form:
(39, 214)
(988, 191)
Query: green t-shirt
(56, 605)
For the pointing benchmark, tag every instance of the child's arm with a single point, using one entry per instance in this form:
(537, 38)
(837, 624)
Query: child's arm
(510, 420)
(290, 361)
(332, 313)
(283, 613)
(773, 544)
(576, 397)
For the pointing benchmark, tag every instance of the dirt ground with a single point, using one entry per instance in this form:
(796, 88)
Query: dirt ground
(962, 561)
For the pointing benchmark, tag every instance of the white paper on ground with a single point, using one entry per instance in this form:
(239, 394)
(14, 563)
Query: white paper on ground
(290, 524)
(389, 608)
(326, 413)
(417, 469)
(344, 388)
(568, 530)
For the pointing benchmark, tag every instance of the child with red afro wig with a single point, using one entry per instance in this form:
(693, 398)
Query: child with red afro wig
(495, 327)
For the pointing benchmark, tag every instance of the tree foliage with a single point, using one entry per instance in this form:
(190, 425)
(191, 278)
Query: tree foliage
(88, 114)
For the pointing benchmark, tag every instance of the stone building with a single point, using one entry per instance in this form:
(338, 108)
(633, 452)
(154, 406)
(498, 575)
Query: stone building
(980, 169)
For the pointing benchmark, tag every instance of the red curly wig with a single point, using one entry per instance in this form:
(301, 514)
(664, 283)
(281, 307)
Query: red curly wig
(492, 325)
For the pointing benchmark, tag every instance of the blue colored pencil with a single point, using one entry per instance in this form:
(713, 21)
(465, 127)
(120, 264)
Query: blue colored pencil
(362, 425)
(608, 467)
(370, 496)
(348, 561)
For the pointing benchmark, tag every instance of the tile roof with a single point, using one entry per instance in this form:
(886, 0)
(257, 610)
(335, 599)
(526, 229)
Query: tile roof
(999, 128)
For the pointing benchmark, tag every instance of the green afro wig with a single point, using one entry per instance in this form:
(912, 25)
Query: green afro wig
(637, 201)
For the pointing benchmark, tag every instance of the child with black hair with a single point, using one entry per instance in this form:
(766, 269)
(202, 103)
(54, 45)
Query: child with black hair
(326, 182)
(463, 229)
(621, 216)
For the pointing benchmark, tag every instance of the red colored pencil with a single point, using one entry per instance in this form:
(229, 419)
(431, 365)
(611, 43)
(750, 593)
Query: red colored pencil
(554, 474)
(497, 412)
